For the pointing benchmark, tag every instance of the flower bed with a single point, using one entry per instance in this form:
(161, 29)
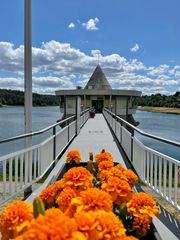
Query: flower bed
(92, 201)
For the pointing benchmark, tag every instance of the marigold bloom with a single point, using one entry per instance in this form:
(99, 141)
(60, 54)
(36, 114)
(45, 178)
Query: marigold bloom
(85, 222)
(103, 156)
(129, 238)
(131, 177)
(142, 203)
(120, 167)
(116, 172)
(103, 175)
(141, 224)
(52, 225)
(64, 198)
(15, 218)
(78, 178)
(105, 165)
(73, 156)
(118, 189)
(93, 199)
(48, 195)
(59, 185)
(100, 225)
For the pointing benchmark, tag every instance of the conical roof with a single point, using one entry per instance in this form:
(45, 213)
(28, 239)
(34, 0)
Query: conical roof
(98, 80)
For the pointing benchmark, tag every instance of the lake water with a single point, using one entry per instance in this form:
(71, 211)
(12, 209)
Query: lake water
(12, 124)
(164, 125)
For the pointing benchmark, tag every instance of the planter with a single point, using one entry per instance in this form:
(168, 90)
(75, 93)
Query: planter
(92, 114)
(152, 233)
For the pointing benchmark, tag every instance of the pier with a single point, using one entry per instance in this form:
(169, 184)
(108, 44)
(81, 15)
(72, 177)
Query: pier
(22, 169)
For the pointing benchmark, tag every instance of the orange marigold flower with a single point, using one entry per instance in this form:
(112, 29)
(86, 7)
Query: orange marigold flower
(103, 156)
(116, 172)
(108, 226)
(131, 177)
(15, 218)
(105, 165)
(120, 167)
(48, 195)
(85, 222)
(52, 225)
(64, 198)
(78, 178)
(100, 225)
(103, 175)
(93, 199)
(73, 156)
(142, 203)
(118, 189)
(59, 185)
(141, 224)
(129, 238)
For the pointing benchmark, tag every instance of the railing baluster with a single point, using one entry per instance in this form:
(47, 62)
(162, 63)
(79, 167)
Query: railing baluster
(155, 172)
(35, 162)
(160, 174)
(176, 184)
(30, 165)
(151, 166)
(21, 170)
(16, 173)
(170, 180)
(164, 176)
(26, 168)
(10, 176)
(147, 177)
(4, 179)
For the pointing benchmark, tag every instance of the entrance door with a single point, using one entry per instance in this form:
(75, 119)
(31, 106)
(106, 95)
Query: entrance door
(98, 105)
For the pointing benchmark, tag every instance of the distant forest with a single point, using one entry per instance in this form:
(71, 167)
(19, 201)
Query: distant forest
(16, 98)
(158, 100)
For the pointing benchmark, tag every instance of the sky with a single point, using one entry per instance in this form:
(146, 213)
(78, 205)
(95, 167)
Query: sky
(136, 42)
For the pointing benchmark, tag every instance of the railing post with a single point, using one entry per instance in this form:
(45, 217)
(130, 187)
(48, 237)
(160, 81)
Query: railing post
(54, 146)
(78, 111)
(121, 132)
(132, 136)
(68, 131)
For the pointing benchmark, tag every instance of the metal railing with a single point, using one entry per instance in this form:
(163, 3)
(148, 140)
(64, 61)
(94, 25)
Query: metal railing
(159, 171)
(20, 169)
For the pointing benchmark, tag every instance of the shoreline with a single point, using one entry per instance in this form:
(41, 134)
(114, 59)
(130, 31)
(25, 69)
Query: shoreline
(159, 109)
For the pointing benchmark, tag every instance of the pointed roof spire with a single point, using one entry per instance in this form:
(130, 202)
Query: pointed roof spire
(98, 80)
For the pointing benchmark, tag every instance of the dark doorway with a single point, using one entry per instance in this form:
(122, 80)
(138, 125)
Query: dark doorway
(98, 105)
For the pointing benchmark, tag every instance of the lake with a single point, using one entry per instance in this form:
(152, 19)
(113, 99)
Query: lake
(12, 124)
(161, 124)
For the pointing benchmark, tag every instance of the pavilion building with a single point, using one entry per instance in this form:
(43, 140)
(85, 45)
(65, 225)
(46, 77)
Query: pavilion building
(98, 94)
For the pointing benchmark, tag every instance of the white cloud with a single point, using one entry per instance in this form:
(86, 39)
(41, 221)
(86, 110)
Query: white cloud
(58, 65)
(71, 25)
(155, 71)
(135, 48)
(90, 25)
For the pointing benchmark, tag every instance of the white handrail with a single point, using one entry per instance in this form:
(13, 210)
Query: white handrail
(157, 170)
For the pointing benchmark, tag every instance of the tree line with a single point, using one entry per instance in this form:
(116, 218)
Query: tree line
(16, 98)
(159, 100)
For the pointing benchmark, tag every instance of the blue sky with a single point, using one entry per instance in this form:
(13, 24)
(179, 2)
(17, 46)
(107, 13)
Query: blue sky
(136, 42)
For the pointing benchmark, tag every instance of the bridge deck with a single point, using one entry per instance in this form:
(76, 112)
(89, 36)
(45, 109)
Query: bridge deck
(94, 136)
